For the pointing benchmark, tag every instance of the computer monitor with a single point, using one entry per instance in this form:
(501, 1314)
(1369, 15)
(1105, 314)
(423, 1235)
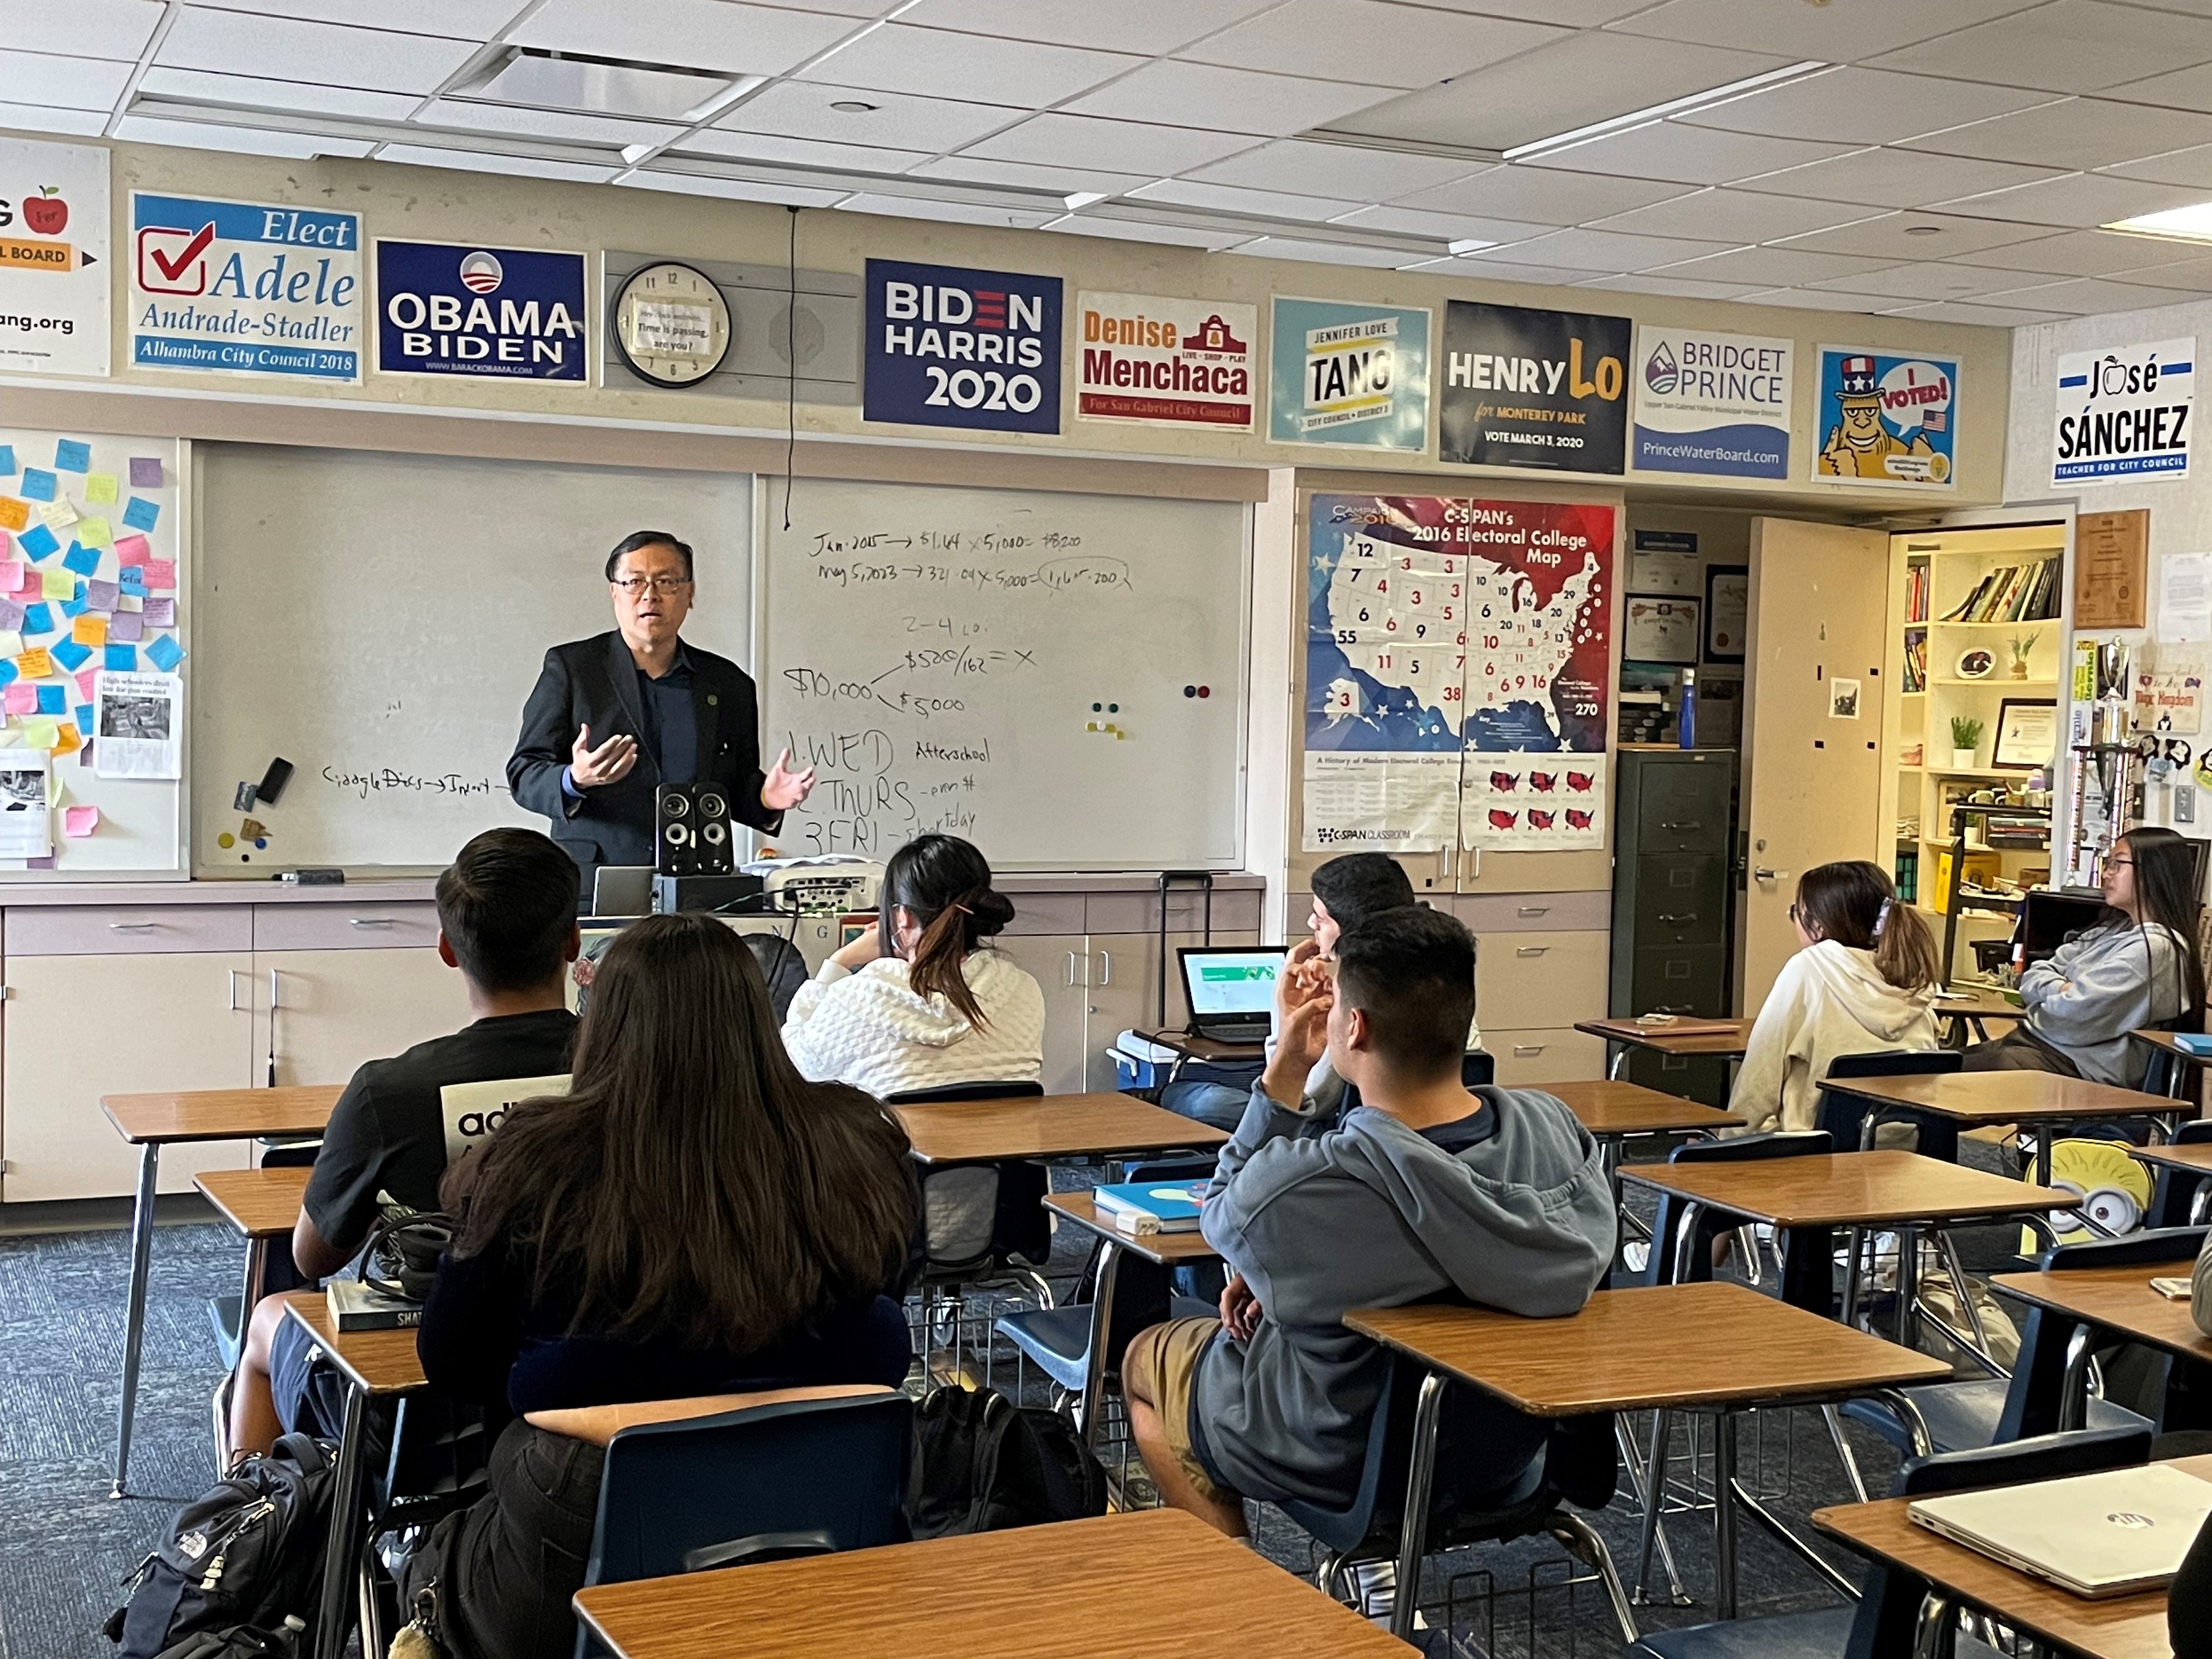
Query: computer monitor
(1230, 989)
(622, 890)
(2048, 920)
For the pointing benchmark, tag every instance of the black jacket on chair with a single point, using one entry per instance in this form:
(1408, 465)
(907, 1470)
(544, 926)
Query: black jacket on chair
(594, 683)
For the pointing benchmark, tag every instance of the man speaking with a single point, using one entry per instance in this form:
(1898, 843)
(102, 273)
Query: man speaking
(613, 716)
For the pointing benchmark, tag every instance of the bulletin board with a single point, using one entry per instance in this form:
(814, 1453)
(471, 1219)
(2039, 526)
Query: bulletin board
(94, 586)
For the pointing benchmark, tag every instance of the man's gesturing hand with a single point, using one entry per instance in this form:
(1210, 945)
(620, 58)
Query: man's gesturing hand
(593, 768)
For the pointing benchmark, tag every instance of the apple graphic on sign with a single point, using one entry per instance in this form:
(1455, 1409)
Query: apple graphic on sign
(46, 213)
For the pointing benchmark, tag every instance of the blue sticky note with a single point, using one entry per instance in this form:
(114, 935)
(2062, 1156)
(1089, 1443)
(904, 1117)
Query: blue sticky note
(119, 659)
(142, 513)
(165, 652)
(69, 654)
(38, 542)
(84, 718)
(132, 581)
(77, 607)
(7, 673)
(53, 700)
(85, 560)
(37, 484)
(38, 618)
(72, 455)
(6, 459)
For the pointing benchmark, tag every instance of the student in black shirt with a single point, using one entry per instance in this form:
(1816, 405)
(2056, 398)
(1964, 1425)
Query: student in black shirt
(506, 919)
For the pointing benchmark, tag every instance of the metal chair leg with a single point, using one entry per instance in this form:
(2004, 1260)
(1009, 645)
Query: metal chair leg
(1850, 1461)
(1638, 1476)
(1581, 1540)
(1654, 1498)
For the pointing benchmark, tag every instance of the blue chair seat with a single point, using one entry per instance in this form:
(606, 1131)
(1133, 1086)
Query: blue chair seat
(1825, 1634)
(1963, 1416)
(1057, 1340)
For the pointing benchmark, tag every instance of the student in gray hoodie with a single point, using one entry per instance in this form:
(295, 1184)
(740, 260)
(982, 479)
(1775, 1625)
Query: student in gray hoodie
(1424, 1189)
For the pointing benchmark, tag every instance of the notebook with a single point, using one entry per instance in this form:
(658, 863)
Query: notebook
(1152, 1207)
(2110, 1534)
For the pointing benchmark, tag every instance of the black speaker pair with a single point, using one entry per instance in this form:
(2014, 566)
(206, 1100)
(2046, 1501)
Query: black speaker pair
(694, 836)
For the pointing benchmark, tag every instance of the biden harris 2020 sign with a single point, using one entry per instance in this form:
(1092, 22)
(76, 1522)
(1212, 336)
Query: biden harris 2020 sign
(949, 346)
(496, 313)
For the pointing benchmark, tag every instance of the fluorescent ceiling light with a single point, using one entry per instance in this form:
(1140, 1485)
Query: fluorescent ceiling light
(1705, 99)
(605, 86)
(2192, 224)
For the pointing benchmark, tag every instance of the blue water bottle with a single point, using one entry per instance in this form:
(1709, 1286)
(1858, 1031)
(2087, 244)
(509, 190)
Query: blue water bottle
(1685, 723)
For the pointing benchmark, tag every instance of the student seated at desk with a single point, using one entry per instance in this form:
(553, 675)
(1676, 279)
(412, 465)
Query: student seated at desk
(2139, 968)
(693, 1218)
(1863, 981)
(506, 919)
(1425, 1190)
(1346, 891)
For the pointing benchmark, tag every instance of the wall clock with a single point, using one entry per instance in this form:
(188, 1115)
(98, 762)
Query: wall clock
(670, 324)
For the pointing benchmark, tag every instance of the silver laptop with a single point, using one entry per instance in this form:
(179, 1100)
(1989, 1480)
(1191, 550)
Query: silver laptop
(621, 890)
(2110, 1534)
(1231, 990)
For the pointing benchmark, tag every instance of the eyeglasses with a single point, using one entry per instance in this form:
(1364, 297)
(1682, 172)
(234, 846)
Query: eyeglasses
(2119, 864)
(660, 587)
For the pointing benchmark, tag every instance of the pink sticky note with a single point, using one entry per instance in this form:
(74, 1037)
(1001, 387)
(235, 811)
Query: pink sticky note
(21, 698)
(161, 575)
(78, 821)
(131, 549)
(87, 683)
(13, 574)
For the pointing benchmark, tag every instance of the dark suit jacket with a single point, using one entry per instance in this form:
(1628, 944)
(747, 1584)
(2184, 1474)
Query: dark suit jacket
(594, 683)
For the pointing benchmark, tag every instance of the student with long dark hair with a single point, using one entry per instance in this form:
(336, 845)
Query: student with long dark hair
(1864, 981)
(2138, 967)
(693, 1218)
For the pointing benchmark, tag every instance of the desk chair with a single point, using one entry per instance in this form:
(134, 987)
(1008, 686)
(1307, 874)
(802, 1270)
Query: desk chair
(807, 1477)
(2178, 1196)
(1893, 1612)
(1574, 1465)
(439, 1462)
(1853, 1121)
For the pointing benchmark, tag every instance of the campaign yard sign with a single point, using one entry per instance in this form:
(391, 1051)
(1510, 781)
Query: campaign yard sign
(245, 288)
(499, 314)
(949, 346)
(1544, 389)
(2124, 413)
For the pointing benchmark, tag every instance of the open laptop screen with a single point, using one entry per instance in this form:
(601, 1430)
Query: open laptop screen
(1230, 980)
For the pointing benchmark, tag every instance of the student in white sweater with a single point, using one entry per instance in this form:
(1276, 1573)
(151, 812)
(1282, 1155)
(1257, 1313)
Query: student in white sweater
(944, 1009)
(1865, 981)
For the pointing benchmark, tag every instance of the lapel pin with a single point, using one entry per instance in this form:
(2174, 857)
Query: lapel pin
(712, 699)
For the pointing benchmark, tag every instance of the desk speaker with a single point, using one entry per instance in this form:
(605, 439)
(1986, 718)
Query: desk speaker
(693, 835)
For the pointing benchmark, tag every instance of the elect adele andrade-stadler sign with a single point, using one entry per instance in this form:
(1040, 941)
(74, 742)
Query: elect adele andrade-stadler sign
(242, 288)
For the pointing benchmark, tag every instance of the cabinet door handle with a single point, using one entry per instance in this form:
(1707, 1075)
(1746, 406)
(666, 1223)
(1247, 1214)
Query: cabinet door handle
(1105, 968)
(231, 979)
(369, 921)
(1074, 957)
(1685, 824)
(1528, 1050)
(273, 1003)
(1531, 950)
(1534, 911)
(133, 926)
(1680, 920)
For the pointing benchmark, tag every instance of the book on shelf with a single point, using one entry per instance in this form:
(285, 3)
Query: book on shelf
(1916, 593)
(1916, 662)
(2011, 593)
(358, 1306)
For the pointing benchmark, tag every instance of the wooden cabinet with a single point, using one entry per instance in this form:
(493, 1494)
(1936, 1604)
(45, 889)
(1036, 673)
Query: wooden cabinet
(81, 1026)
(321, 1013)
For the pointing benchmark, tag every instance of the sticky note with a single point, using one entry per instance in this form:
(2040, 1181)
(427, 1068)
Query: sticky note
(34, 665)
(87, 682)
(71, 654)
(161, 575)
(37, 484)
(83, 713)
(145, 473)
(133, 602)
(124, 626)
(39, 734)
(38, 618)
(72, 455)
(72, 609)
(38, 542)
(140, 513)
(57, 515)
(7, 458)
(66, 739)
(11, 643)
(131, 579)
(100, 489)
(120, 659)
(160, 613)
(14, 574)
(20, 699)
(81, 559)
(91, 629)
(132, 550)
(94, 533)
(78, 821)
(13, 514)
(165, 652)
(53, 700)
(102, 596)
(56, 585)
(11, 616)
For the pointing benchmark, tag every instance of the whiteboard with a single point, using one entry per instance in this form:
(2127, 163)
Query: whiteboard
(1020, 668)
(378, 621)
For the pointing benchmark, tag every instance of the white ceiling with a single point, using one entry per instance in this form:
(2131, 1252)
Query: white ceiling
(1947, 159)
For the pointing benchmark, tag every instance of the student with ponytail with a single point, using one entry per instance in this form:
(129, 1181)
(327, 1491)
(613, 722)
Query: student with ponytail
(1864, 981)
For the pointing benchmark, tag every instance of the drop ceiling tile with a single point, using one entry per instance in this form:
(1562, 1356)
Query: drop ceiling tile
(863, 9)
(464, 20)
(1363, 175)
(1446, 226)
(1322, 253)
(1557, 88)
(1679, 287)
(1024, 175)
(1915, 235)
(2076, 133)
(1397, 46)
(519, 167)
(247, 92)
(604, 130)
(1124, 230)
(1230, 198)
(1570, 13)
(1860, 106)
(951, 213)
(2193, 275)
(1602, 251)
(1146, 27)
(730, 190)
(1734, 216)
(58, 82)
(1084, 141)
(1543, 195)
(710, 34)
(83, 28)
(1774, 267)
(294, 49)
(1685, 155)
(799, 152)
(33, 118)
(1810, 299)
(2181, 88)
(2192, 168)
(798, 109)
(1231, 100)
(1932, 280)
(2080, 253)
(2065, 46)
(1837, 33)
(899, 58)
(2085, 296)
(1895, 178)
(235, 140)
(1981, 316)
(2081, 199)
(1491, 271)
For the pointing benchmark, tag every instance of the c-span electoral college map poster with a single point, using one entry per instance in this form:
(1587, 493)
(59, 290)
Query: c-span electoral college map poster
(1458, 666)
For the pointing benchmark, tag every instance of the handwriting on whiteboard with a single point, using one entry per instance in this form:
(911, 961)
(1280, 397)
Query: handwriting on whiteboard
(858, 804)
(1078, 573)
(381, 779)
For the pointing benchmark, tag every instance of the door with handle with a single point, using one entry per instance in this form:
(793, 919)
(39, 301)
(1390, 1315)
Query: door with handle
(1812, 761)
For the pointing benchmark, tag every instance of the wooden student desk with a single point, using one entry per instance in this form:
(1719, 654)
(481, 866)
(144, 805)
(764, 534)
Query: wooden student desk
(1724, 1037)
(1045, 1125)
(2179, 1066)
(2190, 1158)
(1974, 1098)
(1613, 1111)
(264, 1204)
(2121, 1628)
(1137, 1586)
(1708, 1346)
(375, 1364)
(2120, 1300)
(1187, 1045)
(1978, 1010)
(150, 1122)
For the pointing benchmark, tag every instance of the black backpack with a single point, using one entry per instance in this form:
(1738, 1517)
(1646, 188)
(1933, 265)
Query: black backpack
(982, 1464)
(247, 1552)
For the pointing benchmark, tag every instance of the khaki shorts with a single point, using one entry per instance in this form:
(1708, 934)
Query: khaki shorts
(1166, 1356)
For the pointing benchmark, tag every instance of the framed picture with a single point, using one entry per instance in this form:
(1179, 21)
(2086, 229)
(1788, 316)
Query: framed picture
(1728, 611)
(2027, 733)
(1661, 630)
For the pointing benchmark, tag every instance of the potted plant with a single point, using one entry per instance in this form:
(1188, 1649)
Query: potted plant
(2021, 647)
(1966, 742)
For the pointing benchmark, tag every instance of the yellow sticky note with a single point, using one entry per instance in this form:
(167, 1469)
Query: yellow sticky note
(41, 734)
(90, 629)
(35, 664)
(13, 514)
(56, 585)
(95, 533)
(67, 742)
(99, 487)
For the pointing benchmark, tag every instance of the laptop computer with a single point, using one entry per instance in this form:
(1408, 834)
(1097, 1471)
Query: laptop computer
(2098, 1535)
(621, 890)
(1230, 989)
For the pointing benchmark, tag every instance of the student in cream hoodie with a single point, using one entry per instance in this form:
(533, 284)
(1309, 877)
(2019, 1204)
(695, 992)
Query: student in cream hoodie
(1865, 981)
